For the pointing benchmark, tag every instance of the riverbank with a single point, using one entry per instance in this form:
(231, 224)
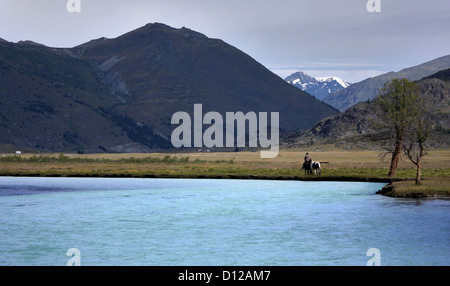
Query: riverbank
(434, 188)
(359, 166)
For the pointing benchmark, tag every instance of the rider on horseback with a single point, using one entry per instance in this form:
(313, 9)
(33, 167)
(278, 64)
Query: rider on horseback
(311, 166)
(308, 159)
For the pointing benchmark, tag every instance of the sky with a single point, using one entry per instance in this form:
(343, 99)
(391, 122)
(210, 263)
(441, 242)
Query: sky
(320, 37)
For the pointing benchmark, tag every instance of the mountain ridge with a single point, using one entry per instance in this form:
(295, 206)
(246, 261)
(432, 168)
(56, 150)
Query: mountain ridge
(182, 66)
(351, 129)
(368, 88)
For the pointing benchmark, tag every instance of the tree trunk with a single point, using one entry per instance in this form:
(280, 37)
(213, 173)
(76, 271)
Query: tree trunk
(418, 171)
(395, 158)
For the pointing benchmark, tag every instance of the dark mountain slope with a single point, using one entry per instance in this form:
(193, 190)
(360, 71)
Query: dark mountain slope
(119, 94)
(55, 102)
(165, 70)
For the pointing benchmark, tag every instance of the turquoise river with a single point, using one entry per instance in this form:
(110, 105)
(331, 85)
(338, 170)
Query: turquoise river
(188, 222)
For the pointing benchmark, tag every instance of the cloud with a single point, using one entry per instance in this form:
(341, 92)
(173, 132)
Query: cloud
(277, 33)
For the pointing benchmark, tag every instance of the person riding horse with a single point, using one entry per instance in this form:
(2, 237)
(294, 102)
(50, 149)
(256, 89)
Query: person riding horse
(308, 159)
(310, 166)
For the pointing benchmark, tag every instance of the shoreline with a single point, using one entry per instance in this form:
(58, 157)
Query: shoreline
(351, 166)
(225, 177)
(387, 190)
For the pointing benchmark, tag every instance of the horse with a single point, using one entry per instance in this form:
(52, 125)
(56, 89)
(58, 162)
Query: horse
(312, 167)
(316, 166)
(307, 167)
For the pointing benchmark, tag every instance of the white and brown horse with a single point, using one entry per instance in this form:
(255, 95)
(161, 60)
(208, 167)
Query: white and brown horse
(312, 168)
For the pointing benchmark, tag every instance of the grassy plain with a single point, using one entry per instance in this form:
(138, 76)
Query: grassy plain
(336, 166)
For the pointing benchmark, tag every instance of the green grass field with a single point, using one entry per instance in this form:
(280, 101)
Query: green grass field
(336, 165)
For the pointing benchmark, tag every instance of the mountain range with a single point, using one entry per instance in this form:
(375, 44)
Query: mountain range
(118, 95)
(320, 87)
(368, 89)
(352, 128)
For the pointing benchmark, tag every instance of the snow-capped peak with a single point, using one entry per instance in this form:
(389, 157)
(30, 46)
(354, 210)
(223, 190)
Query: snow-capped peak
(320, 87)
(333, 78)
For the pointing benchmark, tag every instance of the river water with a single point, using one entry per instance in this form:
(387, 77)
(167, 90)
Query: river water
(216, 222)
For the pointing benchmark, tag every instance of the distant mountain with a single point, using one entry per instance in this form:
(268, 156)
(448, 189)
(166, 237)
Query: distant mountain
(320, 87)
(350, 129)
(368, 89)
(118, 95)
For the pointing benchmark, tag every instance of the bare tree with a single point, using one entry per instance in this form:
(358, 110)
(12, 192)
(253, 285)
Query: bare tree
(414, 147)
(397, 107)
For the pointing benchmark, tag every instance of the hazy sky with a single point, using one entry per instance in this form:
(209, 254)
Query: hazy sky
(321, 37)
